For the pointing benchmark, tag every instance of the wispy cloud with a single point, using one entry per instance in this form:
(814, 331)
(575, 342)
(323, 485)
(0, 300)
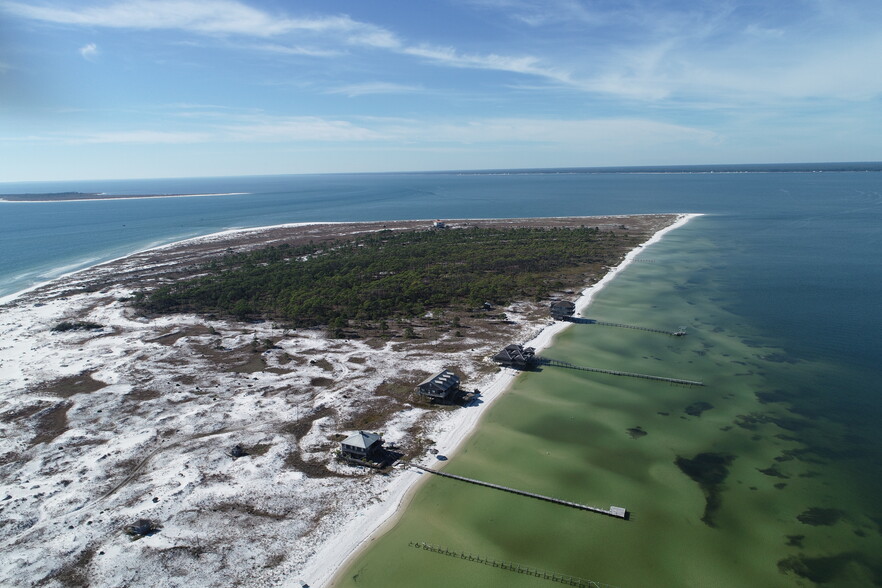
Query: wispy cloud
(296, 50)
(529, 65)
(207, 17)
(142, 137)
(89, 51)
(298, 130)
(367, 88)
(229, 17)
(703, 52)
(571, 132)
(541, 13)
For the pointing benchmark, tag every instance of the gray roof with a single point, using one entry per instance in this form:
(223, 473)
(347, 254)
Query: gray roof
(515, 353)
(443, 379)
(361, 439)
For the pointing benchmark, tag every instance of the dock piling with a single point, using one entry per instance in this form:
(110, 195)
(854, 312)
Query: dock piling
(512, 567)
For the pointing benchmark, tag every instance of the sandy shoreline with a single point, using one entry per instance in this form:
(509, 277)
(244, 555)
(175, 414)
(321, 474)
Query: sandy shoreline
(338, 553)
(109, 398)
(210, 237)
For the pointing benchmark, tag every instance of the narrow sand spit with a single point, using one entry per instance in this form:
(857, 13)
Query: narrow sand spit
(136, 420)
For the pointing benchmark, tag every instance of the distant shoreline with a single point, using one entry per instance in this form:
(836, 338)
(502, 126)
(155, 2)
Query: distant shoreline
(87, 196)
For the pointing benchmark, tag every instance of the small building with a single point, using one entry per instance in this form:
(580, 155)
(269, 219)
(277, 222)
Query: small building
(562, 309)
(362, 446)
(516, 356)
(439, 224)
(442, 386)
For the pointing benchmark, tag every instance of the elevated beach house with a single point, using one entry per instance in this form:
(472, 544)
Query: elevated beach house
(362, 446)
(516, 356)
(562, 309)
(443, 386)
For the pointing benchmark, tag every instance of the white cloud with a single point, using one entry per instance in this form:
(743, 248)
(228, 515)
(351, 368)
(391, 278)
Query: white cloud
(524, 65)
(296, 129)
(706, 52)
(141, 137)
(297, 50)
(89, 51)
(208, 16)
(540, 13)
(571, 132)
(234, 18)
(527, 131)
(354, 90)
(261, 128)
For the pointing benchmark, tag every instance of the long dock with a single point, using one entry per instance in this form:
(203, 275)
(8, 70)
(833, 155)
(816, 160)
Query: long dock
(584, 321)
(557, 363)
(613, 511)
(510, 566)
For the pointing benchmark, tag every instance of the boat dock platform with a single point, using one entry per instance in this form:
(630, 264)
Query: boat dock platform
(612, 511)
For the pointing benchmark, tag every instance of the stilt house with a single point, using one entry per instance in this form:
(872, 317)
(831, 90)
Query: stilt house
(442, 386)
(362, 445)
(562, 309)
(516, 356)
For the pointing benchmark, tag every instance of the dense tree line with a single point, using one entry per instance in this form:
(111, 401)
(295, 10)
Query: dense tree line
(388, 274)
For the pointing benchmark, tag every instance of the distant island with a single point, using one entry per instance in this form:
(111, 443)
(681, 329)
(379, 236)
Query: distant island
(65, 196)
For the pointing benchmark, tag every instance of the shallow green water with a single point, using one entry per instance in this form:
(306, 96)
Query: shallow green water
(565, 433)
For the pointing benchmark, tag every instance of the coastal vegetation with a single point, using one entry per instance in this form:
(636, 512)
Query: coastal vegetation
(76, 326)
(389, 274)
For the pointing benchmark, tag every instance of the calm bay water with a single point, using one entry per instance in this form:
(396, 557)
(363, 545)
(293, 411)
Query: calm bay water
(798, 439)
(779, 288)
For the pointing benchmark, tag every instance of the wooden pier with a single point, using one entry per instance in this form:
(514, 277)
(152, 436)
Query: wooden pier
(613, 511)
(557, 363)
(510, 566)
(583, 321)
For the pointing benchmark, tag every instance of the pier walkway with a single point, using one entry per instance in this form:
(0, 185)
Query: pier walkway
(583, 321)
(510, 566)
(613, 511)
(557, 363)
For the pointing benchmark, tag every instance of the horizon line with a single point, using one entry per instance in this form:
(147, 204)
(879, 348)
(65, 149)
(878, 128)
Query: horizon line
(826, 166)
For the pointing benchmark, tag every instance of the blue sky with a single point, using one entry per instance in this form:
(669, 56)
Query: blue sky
(162, 88)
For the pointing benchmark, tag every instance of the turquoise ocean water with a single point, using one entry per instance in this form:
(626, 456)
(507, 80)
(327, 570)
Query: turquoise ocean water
(779, 285)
